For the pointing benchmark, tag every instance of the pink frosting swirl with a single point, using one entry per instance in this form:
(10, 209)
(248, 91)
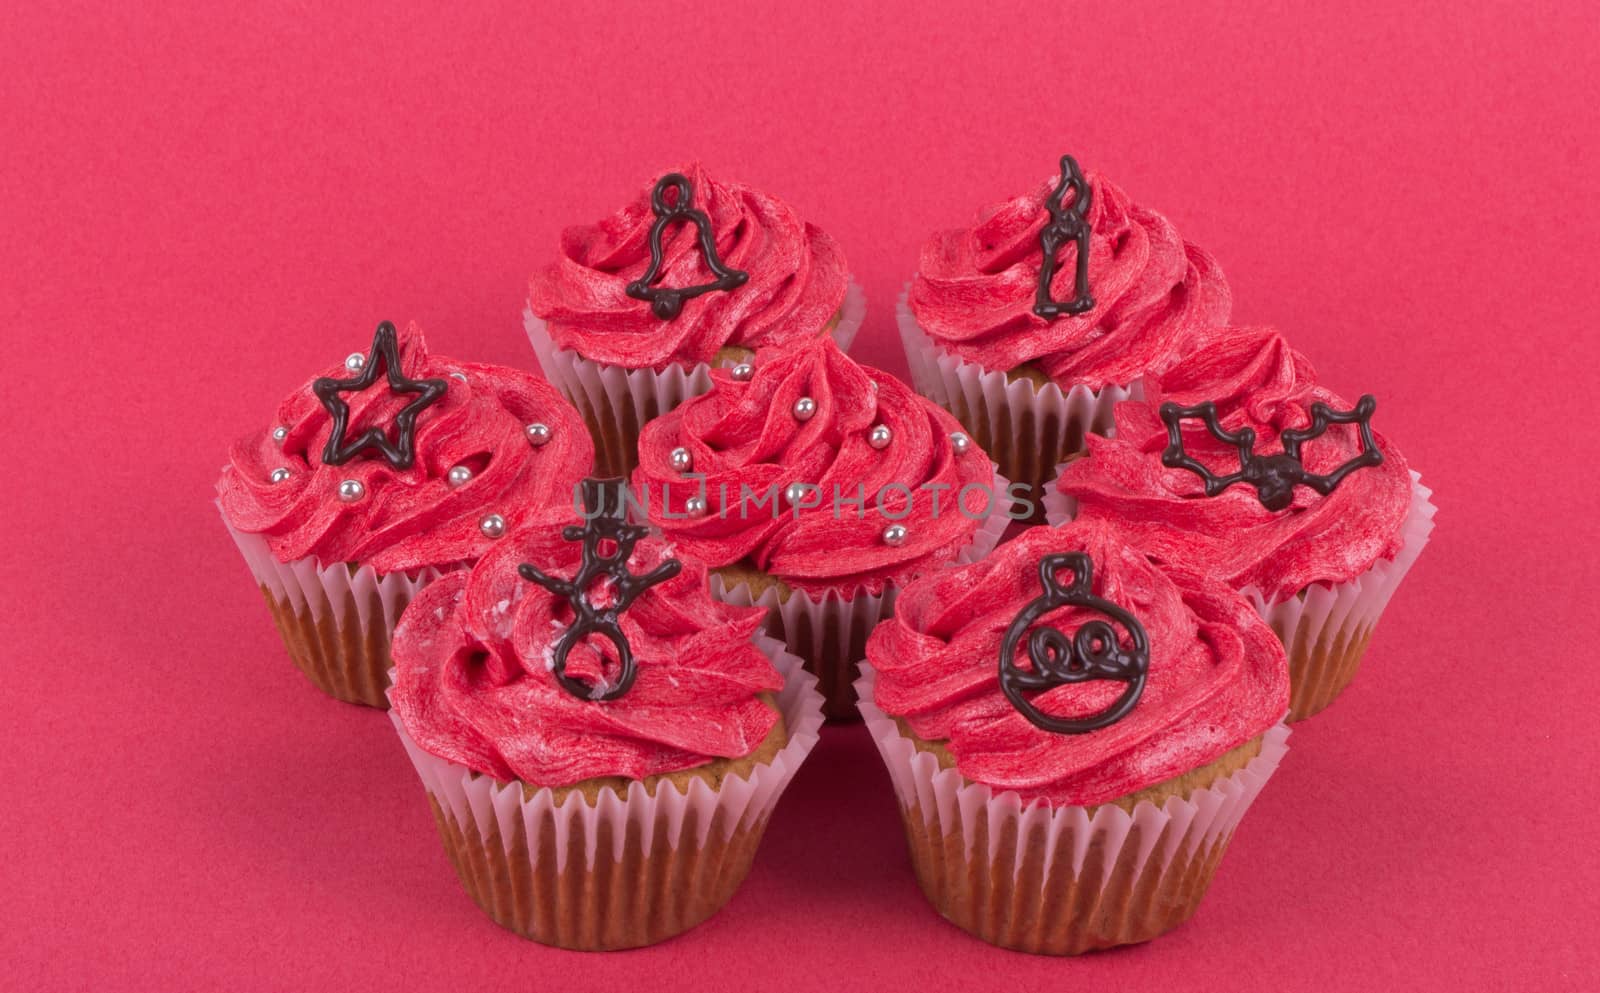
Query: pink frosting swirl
(1217, 675)
(798, 277)
(411, 519)
(1153, 292)
(473, 683)
(1256, 380)
(744, 437)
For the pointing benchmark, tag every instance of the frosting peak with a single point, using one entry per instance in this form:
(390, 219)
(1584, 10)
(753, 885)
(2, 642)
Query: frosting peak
(1257, 381)
(1217, 675)
(797, 277)
(976, 287)
(747, 443)
(416, 517)
(474, 685)
(1252, 371)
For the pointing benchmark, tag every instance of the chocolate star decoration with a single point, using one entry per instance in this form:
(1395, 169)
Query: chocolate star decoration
(1273, 476)
(385, 357)
(667, 302)
(1094, 653)
(1068, 222)
(605, 524)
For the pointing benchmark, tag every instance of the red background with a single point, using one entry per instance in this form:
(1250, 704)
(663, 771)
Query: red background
(197, 207)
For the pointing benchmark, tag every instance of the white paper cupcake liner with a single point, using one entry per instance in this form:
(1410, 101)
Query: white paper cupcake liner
(852, 313)
(336, 622)
(616, 401)
(821, 627)
(325, 591)
(741, 801)
(1330, 619)
(1059, 508)
(945, 797)
(1026, 429)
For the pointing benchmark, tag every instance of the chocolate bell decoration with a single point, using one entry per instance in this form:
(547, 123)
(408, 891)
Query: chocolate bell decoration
(667, 302)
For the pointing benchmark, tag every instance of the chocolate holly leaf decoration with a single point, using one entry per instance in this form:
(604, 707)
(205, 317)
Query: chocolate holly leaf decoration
(608, 541)
(384, 357)
(1095, 652)
(667, 302)
(1273, 476)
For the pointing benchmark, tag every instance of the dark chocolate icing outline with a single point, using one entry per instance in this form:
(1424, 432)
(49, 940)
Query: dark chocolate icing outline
(1273, 476)
(1067, 223)
(603, 524)
(1094, 653)
(666, 303)
(400, 453)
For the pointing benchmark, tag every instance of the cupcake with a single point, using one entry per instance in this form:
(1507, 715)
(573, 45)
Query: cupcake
(366, 488)
(816, 487)
(1032, 323)
(690, 275)
(1073, 732)
(1319, 540)
(600, 741)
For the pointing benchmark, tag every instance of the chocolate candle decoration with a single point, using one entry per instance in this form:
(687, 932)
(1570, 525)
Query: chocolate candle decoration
(1273, 476)
(603, 524)
(385, 355)
(1068, 222)
(666, 302)
(1094, 653)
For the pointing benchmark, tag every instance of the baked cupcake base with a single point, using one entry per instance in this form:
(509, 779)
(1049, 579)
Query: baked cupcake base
(616, 402)
(1028, 427)
(615, 864)
(335, 621)
(1065, 880)
(1325, 629)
